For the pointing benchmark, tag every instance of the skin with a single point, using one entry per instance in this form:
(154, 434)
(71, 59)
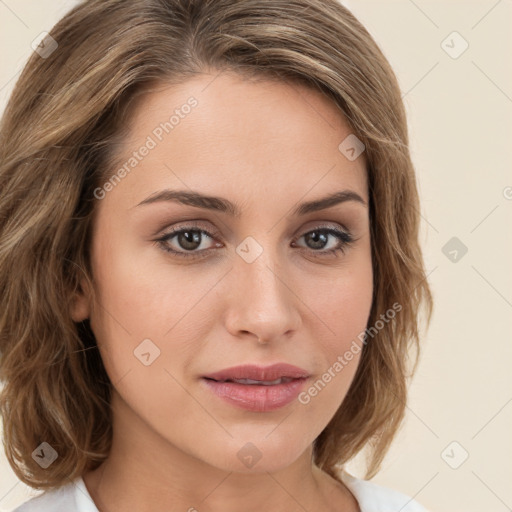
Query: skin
(266, 146)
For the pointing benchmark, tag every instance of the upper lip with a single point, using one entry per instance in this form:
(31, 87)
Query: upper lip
(262, 373)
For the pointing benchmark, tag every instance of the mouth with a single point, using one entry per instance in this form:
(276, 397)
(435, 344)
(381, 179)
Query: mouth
(254, 374)
(258, 389)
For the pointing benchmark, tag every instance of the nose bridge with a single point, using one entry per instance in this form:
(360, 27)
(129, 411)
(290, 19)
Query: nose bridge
(263, 304)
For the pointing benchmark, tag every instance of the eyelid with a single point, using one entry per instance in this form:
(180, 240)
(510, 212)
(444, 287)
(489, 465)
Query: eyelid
(203, 225)
(321, 224)
(189, 224)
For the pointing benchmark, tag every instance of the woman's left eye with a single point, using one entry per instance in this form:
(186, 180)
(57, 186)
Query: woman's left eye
(190, 241)
(320, 237)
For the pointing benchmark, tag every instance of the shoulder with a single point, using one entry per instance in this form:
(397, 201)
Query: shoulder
(61, 499)
(376, 498)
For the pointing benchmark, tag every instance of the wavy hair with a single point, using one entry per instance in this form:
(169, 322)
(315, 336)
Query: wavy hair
(58, 138)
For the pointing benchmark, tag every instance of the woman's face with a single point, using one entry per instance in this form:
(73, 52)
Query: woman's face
(258, 288)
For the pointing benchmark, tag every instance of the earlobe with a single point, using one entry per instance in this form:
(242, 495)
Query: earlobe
(79, 306)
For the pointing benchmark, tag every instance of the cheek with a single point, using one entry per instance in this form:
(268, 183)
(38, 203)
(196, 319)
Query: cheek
(136, 316)
(140, 299)
(346, 314)
(344, 305)
(139, 294)
(343, 312)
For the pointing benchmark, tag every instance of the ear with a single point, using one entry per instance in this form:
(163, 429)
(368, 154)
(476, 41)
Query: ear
(79, 306)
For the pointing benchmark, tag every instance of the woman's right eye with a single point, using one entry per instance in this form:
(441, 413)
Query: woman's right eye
(188, 239)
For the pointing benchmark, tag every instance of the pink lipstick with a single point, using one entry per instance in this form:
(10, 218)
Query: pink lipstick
(257, 388)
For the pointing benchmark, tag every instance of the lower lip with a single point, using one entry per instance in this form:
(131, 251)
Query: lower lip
(257, 398)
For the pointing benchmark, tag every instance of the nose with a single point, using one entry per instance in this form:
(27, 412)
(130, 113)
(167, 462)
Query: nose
(263, 304)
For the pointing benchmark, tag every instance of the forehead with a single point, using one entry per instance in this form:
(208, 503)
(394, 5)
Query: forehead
(227, 134)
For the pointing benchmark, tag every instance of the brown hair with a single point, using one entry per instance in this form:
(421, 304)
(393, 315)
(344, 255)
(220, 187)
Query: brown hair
(58, 135)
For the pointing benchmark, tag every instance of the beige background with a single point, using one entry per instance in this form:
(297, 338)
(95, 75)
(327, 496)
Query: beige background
(460, 112)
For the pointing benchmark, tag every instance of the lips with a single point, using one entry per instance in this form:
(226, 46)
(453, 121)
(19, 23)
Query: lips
(257, 389)
(268, 375)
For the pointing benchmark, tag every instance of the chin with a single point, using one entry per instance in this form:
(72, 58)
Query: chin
(257, 456)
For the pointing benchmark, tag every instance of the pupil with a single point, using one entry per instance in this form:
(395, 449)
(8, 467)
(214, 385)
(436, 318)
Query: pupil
(189, 239)
(315, 236)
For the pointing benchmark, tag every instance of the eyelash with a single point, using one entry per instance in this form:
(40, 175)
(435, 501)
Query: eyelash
(344, 237)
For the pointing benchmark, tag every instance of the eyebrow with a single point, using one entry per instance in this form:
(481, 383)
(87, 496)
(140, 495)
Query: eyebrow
(225, 206)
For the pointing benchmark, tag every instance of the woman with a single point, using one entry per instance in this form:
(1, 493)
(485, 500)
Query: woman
(210, 270)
